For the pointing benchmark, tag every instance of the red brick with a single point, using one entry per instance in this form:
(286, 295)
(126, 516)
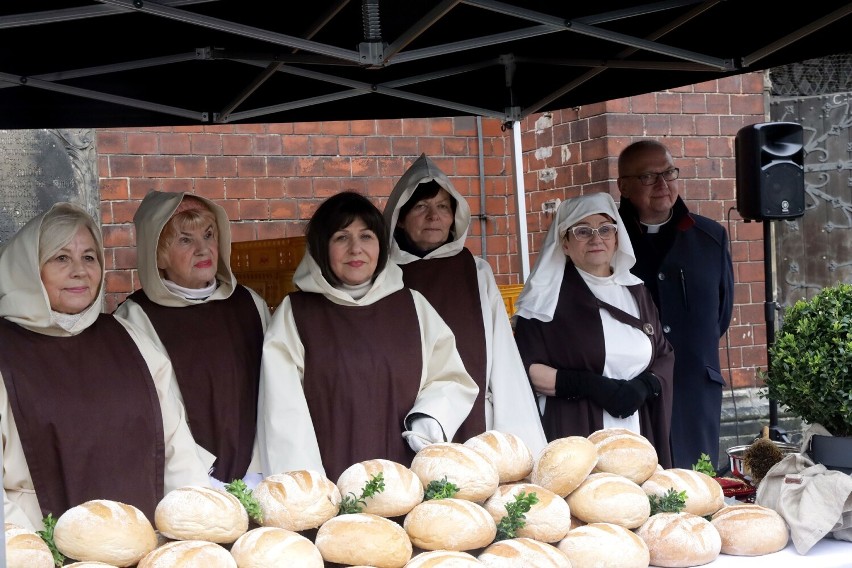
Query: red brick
(125, 166)
(238, 188)
(142, 143)
(207, 144)
(190, 166)
(237, 145)
(362, 127)
(111, 141)
(337, 128)
(323, 145)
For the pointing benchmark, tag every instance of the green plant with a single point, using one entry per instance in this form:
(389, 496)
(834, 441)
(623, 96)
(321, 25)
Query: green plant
(442, 489)
(670, 502)
(353, 504)
(240, 490)
(811, 360)
(704, 466)
(47, 536)
(515, 519)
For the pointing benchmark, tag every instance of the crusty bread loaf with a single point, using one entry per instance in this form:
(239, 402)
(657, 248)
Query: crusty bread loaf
(610, 498)
(680, 539)
(547, 521)
(624, 452)
(564, 464)
(474, 474)
(86, 565)
(194, 512)
(750, 530)
(297, 500)
(25, 549)
(443, 559)
(105, 531)
(704, 495)
(403, 489)
(362, 538)
(511, 456)
(523, 553)
(263, 547)
(189, 554)
(604, 545)
(450, 524)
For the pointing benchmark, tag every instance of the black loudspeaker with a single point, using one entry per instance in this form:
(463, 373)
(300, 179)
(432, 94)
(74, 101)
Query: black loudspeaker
(770, 171)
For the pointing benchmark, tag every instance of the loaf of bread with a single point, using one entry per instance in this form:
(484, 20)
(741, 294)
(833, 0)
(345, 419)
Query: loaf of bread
(445, 559)
(624, 452)
(103, 530)
(403, 489)
(25, 549)
(450, 524)
(704, 495)
(750, 530)
(194, 512)
(297, 500)
(362, 538)
(272, 546)
(680, 539)
(610, 498)
(474, 474)
(564, 464)
(523, 553)
(508, 452)
(86, 565)
(547, 521)
(604, 545)
(189, 554)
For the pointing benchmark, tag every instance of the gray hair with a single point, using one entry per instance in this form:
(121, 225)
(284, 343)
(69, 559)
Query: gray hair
(58, 228)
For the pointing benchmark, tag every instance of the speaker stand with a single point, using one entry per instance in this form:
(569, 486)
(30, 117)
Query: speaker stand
(770, 308)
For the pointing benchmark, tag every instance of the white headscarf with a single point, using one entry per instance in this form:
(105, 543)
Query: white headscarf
(541, 290)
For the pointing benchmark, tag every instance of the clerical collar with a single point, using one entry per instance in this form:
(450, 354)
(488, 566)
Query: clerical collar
(653, 229)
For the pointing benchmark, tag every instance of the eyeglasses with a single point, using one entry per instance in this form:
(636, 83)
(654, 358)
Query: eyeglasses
(651, 178)
(584, 232)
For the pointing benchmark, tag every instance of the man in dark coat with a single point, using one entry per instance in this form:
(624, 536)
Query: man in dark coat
(684, 260)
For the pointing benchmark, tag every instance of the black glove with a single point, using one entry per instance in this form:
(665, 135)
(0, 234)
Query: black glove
(571, 383)
(632, 394)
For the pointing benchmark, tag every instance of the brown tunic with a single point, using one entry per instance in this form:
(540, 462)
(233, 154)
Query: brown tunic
(88, 416)
(362, 375)
(450, 285)
(215, 349)
(574, 340)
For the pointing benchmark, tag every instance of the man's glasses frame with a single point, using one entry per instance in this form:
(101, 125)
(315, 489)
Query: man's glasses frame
(606, 231)
(651, 177)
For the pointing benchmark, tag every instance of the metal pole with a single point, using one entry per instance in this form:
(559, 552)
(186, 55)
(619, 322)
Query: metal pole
(770, 307)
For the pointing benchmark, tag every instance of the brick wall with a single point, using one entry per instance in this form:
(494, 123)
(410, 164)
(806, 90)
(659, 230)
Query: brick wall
(270, 177)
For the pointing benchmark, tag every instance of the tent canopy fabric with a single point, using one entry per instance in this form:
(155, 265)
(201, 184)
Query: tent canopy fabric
(133, 63)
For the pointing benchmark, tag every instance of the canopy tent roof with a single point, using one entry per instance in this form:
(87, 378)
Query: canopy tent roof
(132, 63)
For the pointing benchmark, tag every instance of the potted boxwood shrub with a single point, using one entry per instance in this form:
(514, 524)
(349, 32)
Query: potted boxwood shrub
(811, 370)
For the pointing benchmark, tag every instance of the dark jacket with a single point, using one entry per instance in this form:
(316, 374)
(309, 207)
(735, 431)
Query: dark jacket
(687, 267)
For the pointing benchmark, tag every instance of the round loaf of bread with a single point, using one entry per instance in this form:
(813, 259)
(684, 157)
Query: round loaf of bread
(297, 500)
(450, 524)
(564, 464)
(474, 474)
(87, 565)
(704, 495)
(547, 521)
(680, 539)
(104, 531)
(610, 498)
(189, 554)
(271, 546)
(508, 452)
(25, 549)
(750, 530)
(624, 452)
(403, 489)
(444, 559)
(194, 512)
(523, 553)
(362, 538)
(604, 545)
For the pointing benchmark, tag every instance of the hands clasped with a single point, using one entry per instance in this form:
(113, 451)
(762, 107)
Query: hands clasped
(619, 398)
